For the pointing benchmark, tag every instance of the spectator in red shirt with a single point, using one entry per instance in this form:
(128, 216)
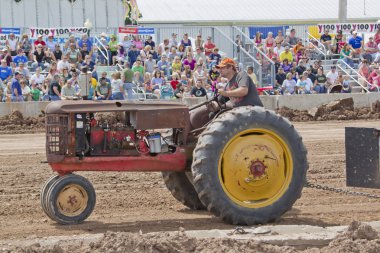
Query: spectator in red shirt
(377, 37)
(209, 46)
(39, 41)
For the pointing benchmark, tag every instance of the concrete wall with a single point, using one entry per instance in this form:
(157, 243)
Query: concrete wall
(300, 102)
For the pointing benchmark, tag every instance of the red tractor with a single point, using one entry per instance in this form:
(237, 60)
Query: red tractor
(246, 165)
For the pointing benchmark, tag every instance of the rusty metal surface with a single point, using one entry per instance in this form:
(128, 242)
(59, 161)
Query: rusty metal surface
(162, 162)
(86, 106)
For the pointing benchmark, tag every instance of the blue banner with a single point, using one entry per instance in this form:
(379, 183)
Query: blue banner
(16, 31)
(264, 30)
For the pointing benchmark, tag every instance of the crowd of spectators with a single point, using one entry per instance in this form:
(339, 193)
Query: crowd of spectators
(296, 75)
(44, 70)
(176, 67)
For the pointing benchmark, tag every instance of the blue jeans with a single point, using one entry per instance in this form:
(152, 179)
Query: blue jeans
(54, 98)
(118, 96)
(18, 98)
(129, 89)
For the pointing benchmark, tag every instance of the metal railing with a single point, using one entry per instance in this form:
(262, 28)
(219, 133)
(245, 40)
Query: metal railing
(349, 73)
(318, 49)
(243, 51)
(272, 64)
(101, 48)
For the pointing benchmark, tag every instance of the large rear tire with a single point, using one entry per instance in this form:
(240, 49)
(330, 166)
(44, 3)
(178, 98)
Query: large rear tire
(249, 166)
(181, 187)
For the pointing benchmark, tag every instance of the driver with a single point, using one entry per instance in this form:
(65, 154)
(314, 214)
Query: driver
(240, 89)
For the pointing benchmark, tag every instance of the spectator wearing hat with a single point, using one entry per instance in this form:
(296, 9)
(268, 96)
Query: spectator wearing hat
(55, 89)
(16, 88)
(338, 42)
(287, 54)
(68, 91)
(127, 43)
(331, 76)
(240, 89)
(12, 44)
(326, 40)
(5, 55)
(149, 41)
(198, 41)
(370, 50)
(103, 90)
(133, 54)
(112, 47)
(23, 70)
(26, 46)
(199, 54)
(39, 41)
(173, 42)
(20, 57)
(39, 58)
(5, 71)
(209, 46)
(214, 58)
(57, 52)
(356, 43)
(50, 42)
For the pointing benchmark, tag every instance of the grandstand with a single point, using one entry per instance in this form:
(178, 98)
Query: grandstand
(109, 48)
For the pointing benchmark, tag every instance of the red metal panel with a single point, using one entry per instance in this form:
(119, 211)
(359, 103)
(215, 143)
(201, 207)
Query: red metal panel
(161, 162)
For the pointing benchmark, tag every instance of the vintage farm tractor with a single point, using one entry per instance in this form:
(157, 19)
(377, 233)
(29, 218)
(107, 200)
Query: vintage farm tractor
(246, 165)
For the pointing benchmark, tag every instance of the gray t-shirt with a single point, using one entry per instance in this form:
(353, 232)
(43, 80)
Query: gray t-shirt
(241, 79)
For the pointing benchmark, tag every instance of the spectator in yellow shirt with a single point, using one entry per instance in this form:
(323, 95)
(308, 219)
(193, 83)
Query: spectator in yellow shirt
(286, 55)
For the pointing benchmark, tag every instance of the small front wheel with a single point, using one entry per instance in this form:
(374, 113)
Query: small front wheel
(70, 199)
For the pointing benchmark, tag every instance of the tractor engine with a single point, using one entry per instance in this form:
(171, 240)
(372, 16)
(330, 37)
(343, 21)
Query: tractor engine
(103, 138)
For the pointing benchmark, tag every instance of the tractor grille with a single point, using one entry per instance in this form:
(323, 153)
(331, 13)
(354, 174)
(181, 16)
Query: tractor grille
(56, 136)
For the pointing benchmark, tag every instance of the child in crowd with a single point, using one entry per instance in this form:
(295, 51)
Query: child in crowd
(175, 81)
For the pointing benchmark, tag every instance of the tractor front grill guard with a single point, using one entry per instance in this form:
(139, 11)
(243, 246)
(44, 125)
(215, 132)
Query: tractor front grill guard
(56, 134)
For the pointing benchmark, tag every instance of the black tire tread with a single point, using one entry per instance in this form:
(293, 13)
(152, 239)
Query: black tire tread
(182, 189)
(214, 137)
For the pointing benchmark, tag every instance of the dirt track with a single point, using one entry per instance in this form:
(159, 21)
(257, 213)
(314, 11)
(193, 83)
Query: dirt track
(139, 201)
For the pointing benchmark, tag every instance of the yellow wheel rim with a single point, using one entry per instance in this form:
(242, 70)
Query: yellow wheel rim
(72, 200)
(255, 168)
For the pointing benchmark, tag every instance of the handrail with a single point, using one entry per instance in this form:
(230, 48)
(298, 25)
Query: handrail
(319, 43)
(321, 51)
(351, 69)
(272, 64)
(242, 49)
(99, 49)
(119, 66)
(248, 38)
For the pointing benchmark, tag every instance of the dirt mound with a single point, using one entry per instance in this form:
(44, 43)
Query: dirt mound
(15, 123)
(337, 110)
(358, 237)
(159, 242)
